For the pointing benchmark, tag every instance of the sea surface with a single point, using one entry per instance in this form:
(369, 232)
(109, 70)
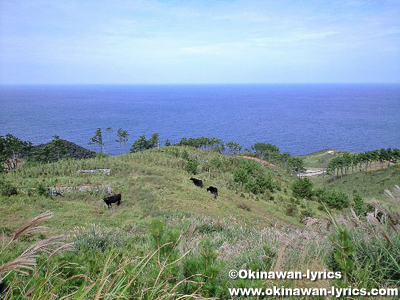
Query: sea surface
(299, 118)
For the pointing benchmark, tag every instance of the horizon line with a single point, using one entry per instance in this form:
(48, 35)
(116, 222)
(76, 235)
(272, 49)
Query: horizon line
(154, 84)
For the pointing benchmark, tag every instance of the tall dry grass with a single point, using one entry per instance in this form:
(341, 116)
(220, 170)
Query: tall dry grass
(26, 261)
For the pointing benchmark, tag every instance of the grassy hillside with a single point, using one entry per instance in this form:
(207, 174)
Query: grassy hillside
(155, 183)
(370, 185)
(170, 238)
(152, 183)
(320, 159)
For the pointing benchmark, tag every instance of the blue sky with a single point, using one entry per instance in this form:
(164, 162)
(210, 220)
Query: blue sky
(151, 42)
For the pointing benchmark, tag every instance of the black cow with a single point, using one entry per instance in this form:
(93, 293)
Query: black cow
(197, 182)
(112, 199)
(213, 190)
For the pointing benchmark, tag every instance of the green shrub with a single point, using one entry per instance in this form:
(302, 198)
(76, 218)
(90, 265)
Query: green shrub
(307, 213)
(302, 188)
(191, 166)
(335, 199)
(359, 205)
(252, 187)
(204, 271)
(264, 262)
(260, 184)
(240, 175)
(185, 155)
(366, 258)
(251, 176)
(7, 189)
(209, 228)
(291, 210)
(101, 155)
(216, 163)
(343, 250)
(250, 166)
(265, 182)
(157, 232)
(42, 190)
(164, 241)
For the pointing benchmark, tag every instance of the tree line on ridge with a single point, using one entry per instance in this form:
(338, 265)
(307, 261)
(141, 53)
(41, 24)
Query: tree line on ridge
(359, 162)
(12, 148)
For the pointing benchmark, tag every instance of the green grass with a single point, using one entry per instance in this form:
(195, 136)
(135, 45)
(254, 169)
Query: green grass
(244, 230)
(152, 183)
(370, 185)
(320, 159)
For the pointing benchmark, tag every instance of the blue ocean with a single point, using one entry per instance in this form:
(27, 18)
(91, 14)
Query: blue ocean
(299, 118)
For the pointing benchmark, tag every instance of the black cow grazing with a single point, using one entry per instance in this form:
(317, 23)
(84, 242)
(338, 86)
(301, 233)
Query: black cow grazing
(112, 199)
(197, 182)
(213, 190)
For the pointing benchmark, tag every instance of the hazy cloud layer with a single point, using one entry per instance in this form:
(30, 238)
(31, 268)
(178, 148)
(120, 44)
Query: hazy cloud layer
(199, 41)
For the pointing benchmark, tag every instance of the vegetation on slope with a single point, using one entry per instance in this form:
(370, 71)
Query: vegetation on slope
(370, 185)
(190, 257)
(351, 163)
(367, 174)
(320, 159)
(153, 183)
(13, 151)
(171, 238)
(56, 150)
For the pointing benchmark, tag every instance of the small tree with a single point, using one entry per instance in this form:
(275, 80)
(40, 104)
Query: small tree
(191, 166)
(359, 205)
(109, 131)
(264, 183)
(97, 139)
(11, 148)
(153, 141)
(302, 188)
(125, 136)
(234, 148)
(57, 145)
(266, 150)
(240, 175)
(140, 144)
(285, 156)
(120, 134)
(335, 199)
(296, 165)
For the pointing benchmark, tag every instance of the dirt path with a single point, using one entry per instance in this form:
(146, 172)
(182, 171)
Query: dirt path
(264, 162)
